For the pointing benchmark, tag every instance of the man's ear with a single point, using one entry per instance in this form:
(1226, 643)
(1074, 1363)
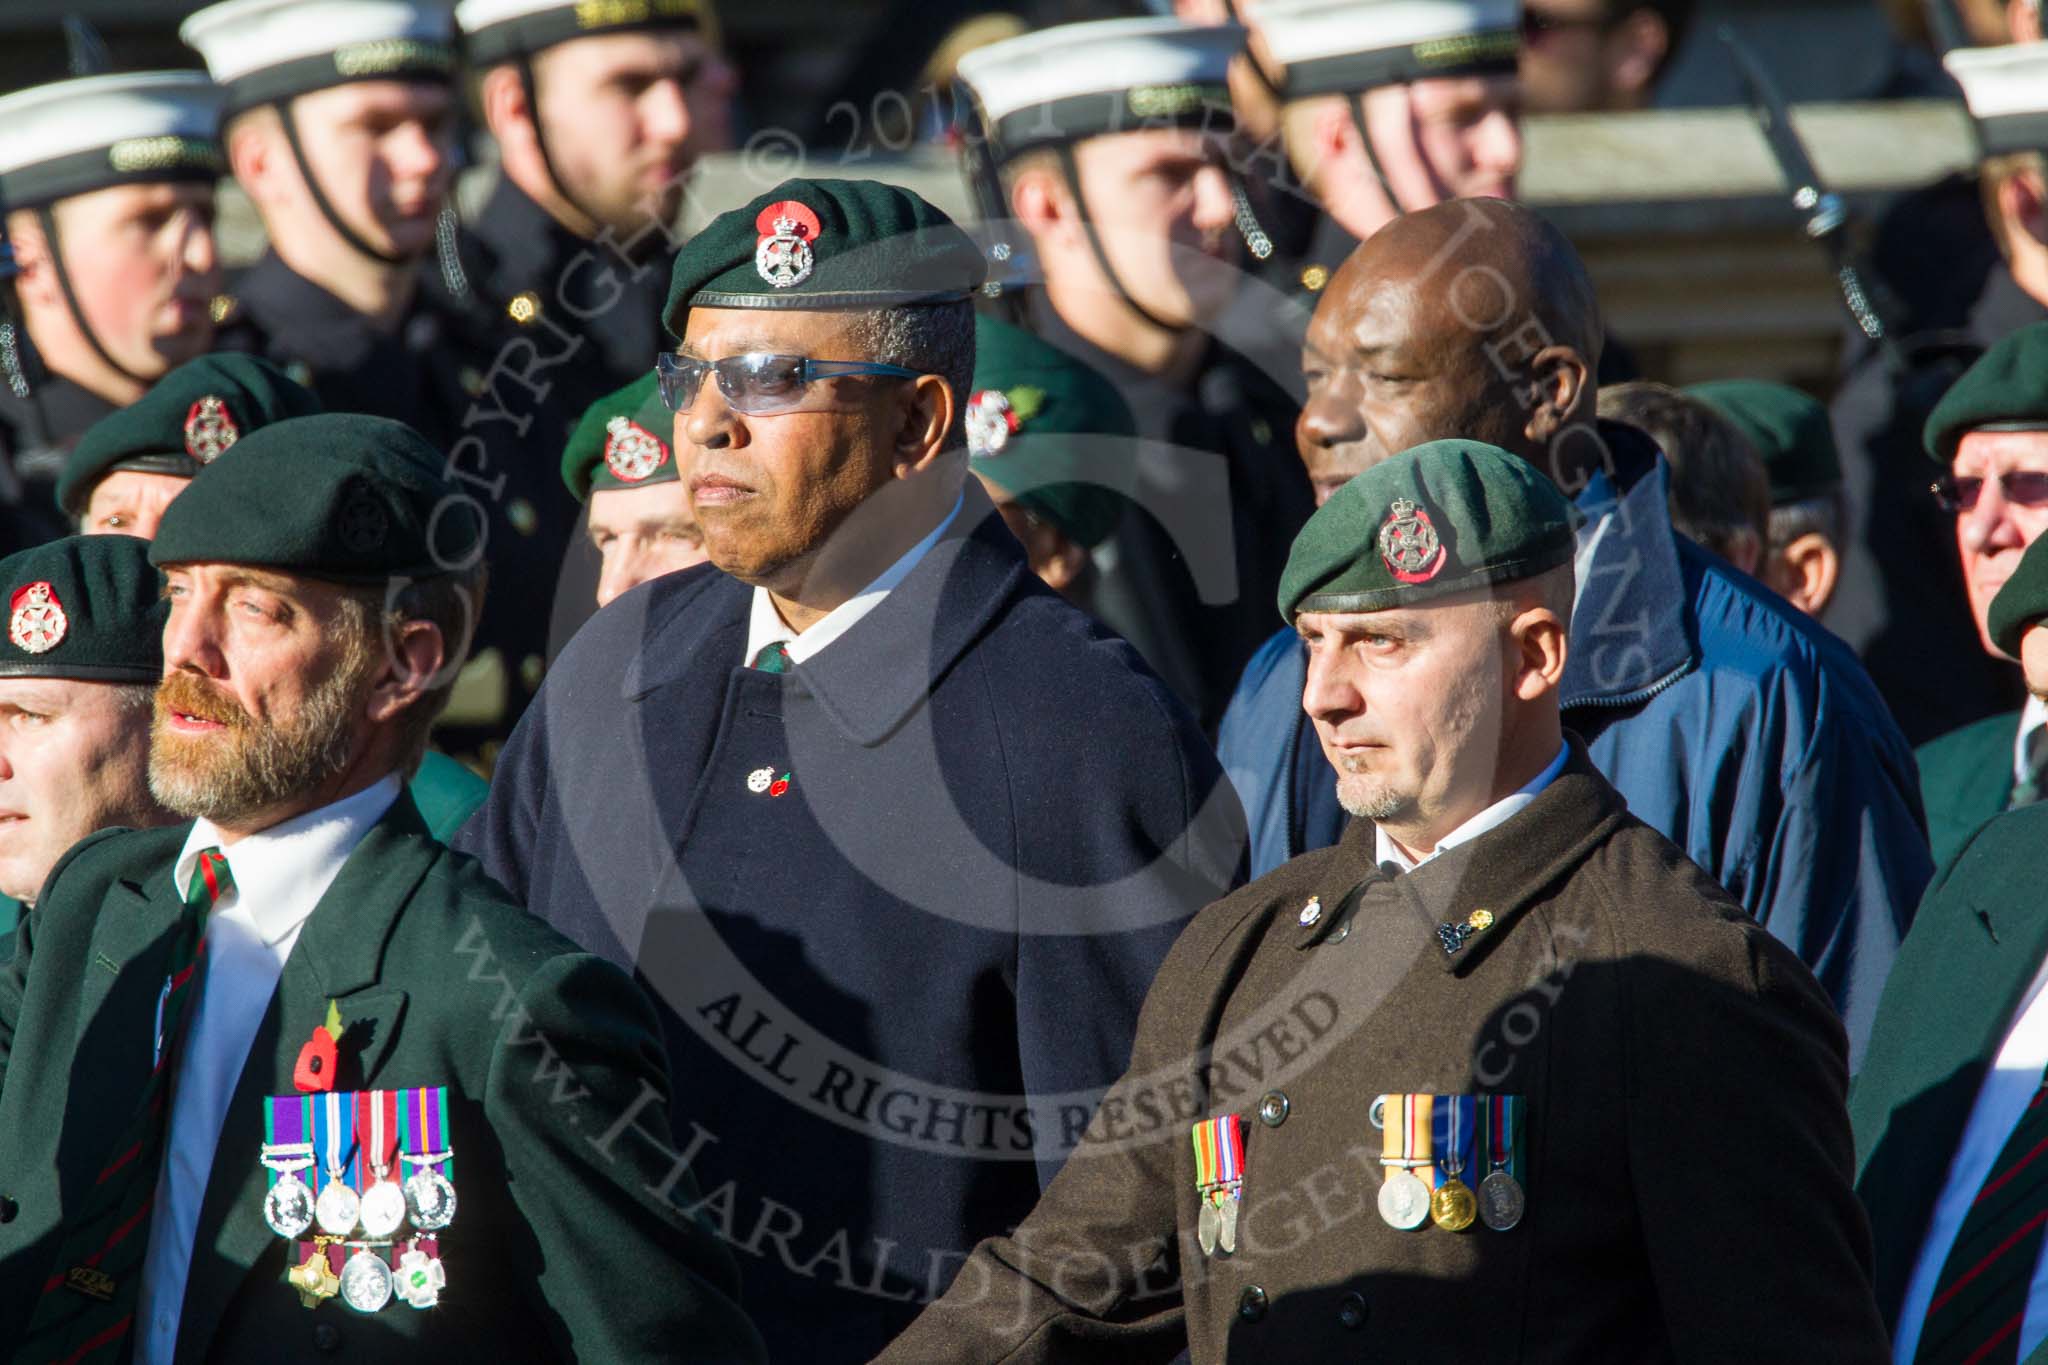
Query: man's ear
(1806, 571)
(1635, 51)
(501, 95)
(37, 280)
(2023, 201)
(1039, 199)
(412, 655)
(1560, 382)
(1541, 645)
(253, 155)
(927, 418)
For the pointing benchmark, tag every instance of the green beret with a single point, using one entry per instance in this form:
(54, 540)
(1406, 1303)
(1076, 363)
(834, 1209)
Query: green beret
(2022, 601)
(189, 416)
(2006, 390)
(338, 496)
(1441, 518)
(1050, 432)
(825, 244)
(87, 607)
(622, 441)
(1790, 429)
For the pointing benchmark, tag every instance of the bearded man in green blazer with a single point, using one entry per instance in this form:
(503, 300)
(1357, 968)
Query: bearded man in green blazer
(300, 989)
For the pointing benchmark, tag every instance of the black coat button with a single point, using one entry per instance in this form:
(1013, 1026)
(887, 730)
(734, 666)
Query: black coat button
(326, 1336)
(1251, 1305)
(1351, 1312)
(8, 1208)
(1273, 1108)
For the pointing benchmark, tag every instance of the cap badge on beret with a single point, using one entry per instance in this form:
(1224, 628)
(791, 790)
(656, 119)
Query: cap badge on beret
(631, 451)
(209, 429)
(363, 524)
(784, 257)
(993, 417)
(38, 624)
(1409, 543)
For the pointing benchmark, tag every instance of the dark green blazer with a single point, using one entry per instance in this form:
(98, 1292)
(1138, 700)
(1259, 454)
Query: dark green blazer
(564, 1247)
(1974, 947)
(1965, 779)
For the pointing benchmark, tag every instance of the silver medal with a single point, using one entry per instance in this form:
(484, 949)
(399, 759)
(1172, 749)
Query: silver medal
(366, 1282)
(1404, 1201)
(431, 1198)
(383, 1211)
(1207, 1226)
(337, 1209)
(1501, 1201)
(420, 1279)
(288, 1208)
(1227, 1236)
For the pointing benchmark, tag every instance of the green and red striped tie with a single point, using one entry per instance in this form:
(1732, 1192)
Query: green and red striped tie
(87, 1310)
(1981, 1298)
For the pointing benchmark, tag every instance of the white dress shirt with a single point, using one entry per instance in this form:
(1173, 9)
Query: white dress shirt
(279, 876)
(765, 625)
(1386, 851)
(2003, 1098)
(2033, 716)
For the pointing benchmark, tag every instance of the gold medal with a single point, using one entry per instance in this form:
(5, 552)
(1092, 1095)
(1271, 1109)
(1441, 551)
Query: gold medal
(1451, 1205)
(315, 1279)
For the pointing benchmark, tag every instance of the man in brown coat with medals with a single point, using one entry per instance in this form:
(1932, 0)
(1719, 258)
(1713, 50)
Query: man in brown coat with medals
(1499, 1077)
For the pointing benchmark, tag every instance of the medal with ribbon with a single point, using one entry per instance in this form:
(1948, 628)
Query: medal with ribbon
(1406, 1129)
(1452, 1206)
(423, 1134)
(287, 1150)
(1501, 1199)
(383, 1211)
(1219, 1182)
(338, 1206)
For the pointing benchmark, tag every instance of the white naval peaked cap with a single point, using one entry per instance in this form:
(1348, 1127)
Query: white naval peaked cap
(495, 30)
(71, 137)
(1350, 46)
(1075, 81)
(263, 51)
(2007, 91)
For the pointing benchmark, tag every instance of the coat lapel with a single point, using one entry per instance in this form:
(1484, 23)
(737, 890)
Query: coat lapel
(338, 957)
(1969, 960)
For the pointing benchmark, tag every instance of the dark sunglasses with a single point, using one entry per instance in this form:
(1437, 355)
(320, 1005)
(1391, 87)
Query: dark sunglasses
(2027, 487)
(757, 383)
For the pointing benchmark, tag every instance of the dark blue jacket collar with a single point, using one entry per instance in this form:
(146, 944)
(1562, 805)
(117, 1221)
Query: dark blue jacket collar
(1632, 635)
(875, 676)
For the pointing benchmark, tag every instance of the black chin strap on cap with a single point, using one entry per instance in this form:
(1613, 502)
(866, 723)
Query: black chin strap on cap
(1072, 172)
(17, 356)
(540, 140)
(1356, 105)
(49, 225)
(320, 200)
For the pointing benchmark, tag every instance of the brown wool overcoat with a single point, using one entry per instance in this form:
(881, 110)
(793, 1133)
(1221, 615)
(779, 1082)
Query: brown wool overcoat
(1687, 1158)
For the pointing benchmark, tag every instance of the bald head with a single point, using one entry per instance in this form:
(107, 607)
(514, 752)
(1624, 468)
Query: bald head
(1474, 318)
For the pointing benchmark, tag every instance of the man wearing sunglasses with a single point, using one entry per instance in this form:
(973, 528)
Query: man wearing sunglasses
(1991, 431)
(895, 835)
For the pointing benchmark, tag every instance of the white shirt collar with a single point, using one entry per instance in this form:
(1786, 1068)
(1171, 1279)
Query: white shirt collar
(1385, 850)
(281, 872)
(2033, 716)
(765, 625)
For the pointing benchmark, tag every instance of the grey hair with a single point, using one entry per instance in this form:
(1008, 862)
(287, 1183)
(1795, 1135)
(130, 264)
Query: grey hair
(931, 338)
(1826, 515)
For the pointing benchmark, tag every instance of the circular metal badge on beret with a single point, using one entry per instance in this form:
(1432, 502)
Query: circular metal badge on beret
(209, 429)
(363, 524)
(784, 257)
(1409, 546)
(37, 624)
(631, 451)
